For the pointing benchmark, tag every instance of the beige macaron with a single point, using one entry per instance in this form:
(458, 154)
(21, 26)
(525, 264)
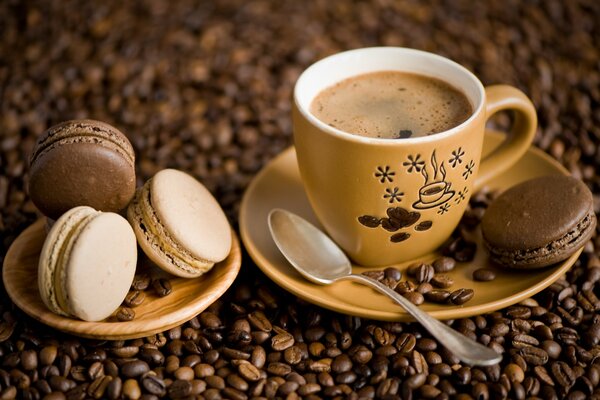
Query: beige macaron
(179, 224)
(87, 264)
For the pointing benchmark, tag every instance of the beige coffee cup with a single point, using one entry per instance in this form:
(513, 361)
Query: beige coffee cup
(386, 201)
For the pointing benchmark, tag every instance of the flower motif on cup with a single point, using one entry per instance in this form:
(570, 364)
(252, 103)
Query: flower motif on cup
(456, 158)
(393, 194)
(414, 163)
(444, 209)
(468, 170)
(462, 194)
(384, 174)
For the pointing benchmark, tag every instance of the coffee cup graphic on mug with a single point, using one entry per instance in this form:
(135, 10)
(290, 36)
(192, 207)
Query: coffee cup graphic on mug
(389, 200)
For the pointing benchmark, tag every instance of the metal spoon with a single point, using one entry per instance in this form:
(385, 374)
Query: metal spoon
(321, 261)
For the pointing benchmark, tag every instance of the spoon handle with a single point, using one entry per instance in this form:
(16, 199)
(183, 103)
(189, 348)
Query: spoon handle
(466, 349)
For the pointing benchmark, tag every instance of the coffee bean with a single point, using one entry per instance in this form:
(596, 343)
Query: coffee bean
(414, 297)
(180, 388)
(114, 388)
(162, 287)
(48, 355)
(282, 341)
(184, 373)
(279, 369)
(125, 314)
(154, 385)
(437, 296)
(203, 370)
(98, 387)
(140, 282)
(134, 298)
(405, 287)
(133, 369)
(442, 281)
(392, 273)
(484, 275)
(424, 273)
(563, 374)
(424, 287)
(521, 340)
(249, 372)
(461, 296)
(259, 321)
(514, 373)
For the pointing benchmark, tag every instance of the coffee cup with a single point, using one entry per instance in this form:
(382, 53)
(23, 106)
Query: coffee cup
(386, 201)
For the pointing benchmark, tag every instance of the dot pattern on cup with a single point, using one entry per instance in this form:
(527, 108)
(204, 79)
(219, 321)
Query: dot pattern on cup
(434, 194)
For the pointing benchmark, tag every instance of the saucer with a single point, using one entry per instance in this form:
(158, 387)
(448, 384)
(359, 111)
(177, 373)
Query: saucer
(278, 185)
(156, 314)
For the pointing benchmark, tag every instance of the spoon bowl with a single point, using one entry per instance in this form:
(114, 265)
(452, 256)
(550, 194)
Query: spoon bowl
(317, 258)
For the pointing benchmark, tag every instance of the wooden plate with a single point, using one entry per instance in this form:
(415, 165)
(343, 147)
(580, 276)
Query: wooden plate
(155, 314)
(278, 185)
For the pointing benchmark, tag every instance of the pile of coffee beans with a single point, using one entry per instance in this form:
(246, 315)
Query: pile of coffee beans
(142, 282)
(205, 87)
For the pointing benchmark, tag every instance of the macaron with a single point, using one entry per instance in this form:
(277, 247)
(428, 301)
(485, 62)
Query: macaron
(87, 264)
(81, 162)
(179, 224)
(539, 222)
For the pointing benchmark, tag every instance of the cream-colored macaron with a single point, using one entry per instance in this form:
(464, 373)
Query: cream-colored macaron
(179, 224)
(87, 264)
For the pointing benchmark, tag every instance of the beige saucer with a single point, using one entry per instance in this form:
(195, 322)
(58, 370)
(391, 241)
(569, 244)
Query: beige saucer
(278, 185)
(156, 314)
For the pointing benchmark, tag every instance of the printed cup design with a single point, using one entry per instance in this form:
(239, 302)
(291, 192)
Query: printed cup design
(435, 192)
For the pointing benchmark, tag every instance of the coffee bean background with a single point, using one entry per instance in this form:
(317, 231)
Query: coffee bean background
(205, 86)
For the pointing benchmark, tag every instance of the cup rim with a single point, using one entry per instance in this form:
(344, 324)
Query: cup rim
(477, 109)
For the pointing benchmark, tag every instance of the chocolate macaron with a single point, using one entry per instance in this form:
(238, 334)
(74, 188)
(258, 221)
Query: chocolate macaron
(539, 222)
(87, 264)
(179, 224)
(82, 162)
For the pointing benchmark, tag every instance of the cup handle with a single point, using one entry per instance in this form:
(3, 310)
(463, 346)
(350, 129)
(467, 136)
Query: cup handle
(520, 137)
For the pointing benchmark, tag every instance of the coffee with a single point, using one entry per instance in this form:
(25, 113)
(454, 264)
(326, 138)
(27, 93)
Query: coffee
(391, 105)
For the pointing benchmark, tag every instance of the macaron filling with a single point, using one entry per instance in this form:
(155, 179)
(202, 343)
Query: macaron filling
(160, 239)
(567, 241)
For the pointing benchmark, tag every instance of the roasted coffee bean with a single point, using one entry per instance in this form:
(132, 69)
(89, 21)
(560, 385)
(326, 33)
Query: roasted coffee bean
(437, 296)
(154, 385)
(405, 287)
(424, 287)
(442, 281)
(249, 372)
(162, 287)
(424, 273)
(282, 341)
(521, 340)
(563, 374)
(444, 264)
(140, 282)
(461, 296)
(484, 275)
(134, 298)
(414, 297)
(125, 314)
(392, 273)
(133, 369)
(180, 388)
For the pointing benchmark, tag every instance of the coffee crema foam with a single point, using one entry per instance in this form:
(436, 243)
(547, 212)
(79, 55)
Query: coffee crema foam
(392, 105)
